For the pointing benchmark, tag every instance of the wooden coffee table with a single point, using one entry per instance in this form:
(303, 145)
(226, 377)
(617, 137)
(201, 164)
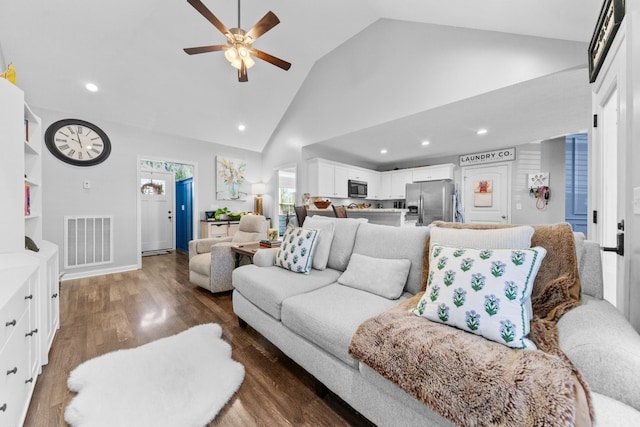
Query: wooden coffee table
(248, 250)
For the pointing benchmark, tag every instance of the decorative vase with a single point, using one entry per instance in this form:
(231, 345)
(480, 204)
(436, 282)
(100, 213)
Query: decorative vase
(233, 190)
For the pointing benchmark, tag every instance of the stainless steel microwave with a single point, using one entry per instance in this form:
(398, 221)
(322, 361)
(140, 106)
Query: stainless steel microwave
(357, 189)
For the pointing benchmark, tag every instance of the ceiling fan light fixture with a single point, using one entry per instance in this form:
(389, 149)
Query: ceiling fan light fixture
(231, 54)
(238, 50)
(236, 63)
(249, 62)
(243, 51)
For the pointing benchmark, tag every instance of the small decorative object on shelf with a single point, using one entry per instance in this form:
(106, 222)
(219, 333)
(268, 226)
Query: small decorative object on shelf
(272, 233)
(27, 199)
(270, 243)
(9, 74)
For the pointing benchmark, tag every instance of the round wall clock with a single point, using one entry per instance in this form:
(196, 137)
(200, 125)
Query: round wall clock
(77, 142)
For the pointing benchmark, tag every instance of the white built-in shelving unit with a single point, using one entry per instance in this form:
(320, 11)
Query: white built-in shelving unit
(29, 281)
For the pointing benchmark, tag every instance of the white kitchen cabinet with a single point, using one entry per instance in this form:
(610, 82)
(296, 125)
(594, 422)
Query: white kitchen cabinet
(327, 179)
(373, 186)
(399, 181)
(433, 173)
(385, 186)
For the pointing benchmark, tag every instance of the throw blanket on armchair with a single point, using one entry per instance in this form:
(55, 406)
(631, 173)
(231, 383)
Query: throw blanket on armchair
(473, 381)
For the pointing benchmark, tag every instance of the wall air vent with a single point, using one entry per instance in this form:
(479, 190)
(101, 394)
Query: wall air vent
(88, 240)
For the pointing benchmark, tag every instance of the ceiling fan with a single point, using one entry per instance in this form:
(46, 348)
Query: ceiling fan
(239, 50)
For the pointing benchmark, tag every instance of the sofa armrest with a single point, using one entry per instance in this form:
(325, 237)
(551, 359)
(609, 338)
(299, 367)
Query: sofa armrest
(265, 257)
(604, 347)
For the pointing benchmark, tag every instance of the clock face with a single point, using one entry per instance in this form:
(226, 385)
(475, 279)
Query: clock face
(77, 142)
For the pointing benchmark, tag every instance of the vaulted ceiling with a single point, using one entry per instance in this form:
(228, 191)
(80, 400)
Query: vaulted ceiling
(364, 71)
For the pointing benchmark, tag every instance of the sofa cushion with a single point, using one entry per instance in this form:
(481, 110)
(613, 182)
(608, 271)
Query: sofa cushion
(267, 287)
(296, 251)
(512, 237)
(325, 237)
(380, 276)
(384, 241)
(329, 316)
(201, 263)
(604, 346)
(483, 291)
(344, 238)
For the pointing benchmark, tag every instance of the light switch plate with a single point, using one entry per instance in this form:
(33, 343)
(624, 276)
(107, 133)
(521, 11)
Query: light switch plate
(86, 184)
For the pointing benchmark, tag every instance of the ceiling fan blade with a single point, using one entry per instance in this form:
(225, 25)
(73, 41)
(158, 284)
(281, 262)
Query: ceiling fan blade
(242, 73)
(267, 22)
(197, 4)
(205, 49)
(271, 59)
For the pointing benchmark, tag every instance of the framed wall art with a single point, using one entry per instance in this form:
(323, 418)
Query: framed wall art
(230, 179)
(611, 16)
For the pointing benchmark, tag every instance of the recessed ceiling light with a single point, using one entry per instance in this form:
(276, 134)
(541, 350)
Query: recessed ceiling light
(91, 87)
(241, 127)
(383, 151)
(482, 131)
(425, 142)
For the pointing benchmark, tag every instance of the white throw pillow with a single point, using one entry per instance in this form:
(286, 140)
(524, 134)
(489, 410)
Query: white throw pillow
(509, 237)
(325, 237)
(380, 276)
(344, 238)
(483, 291)
(296, 251)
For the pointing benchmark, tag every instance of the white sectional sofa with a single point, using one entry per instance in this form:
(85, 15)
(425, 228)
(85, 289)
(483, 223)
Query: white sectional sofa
(312, 318)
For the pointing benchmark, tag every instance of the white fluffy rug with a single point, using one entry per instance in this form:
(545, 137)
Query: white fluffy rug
(183, 380)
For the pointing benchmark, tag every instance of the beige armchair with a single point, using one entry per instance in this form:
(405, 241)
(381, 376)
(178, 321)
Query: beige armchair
(211, 261)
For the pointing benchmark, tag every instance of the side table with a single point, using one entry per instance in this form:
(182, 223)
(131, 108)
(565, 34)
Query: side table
(247, 250)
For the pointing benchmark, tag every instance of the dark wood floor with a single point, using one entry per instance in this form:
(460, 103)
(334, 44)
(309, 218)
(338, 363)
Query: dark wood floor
(117, 311)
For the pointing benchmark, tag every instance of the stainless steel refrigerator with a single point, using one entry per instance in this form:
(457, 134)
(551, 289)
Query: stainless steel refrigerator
(430, 201)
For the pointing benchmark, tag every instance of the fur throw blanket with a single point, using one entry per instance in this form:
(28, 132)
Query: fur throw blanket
(473, 381)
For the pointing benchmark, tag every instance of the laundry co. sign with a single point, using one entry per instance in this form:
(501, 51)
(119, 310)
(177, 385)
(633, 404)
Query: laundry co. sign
(503, 155)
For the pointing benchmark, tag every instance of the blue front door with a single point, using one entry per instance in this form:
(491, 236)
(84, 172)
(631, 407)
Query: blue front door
(184, 214)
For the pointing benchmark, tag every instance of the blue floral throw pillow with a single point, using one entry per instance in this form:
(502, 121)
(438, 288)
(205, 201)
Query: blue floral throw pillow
(296, 251)
(483, 291)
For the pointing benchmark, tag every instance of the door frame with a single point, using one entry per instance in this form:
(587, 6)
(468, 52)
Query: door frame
(171, 178)
(613, 76)
(194, 207)
(489, 165)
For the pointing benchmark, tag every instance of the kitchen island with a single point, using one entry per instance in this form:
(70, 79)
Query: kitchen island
(384, 216)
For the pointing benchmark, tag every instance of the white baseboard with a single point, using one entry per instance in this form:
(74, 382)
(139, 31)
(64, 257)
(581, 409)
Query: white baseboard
(102, 272)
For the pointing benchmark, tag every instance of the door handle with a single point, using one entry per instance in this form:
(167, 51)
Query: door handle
(619, 249)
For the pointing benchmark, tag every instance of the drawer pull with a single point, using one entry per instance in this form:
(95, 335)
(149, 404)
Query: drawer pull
(12, 323)
(12, 371)
(29, 297)
(30, 380)
(35, 331)
(54, 295)
(3, 407)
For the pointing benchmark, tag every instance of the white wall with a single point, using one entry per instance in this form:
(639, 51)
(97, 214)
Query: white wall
(3, 62)
(432, 66)
(114, 183)
(547, 156)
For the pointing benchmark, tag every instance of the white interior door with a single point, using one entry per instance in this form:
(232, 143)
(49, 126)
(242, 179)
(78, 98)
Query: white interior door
(157, 205)
(486, 193)
(607, 159)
